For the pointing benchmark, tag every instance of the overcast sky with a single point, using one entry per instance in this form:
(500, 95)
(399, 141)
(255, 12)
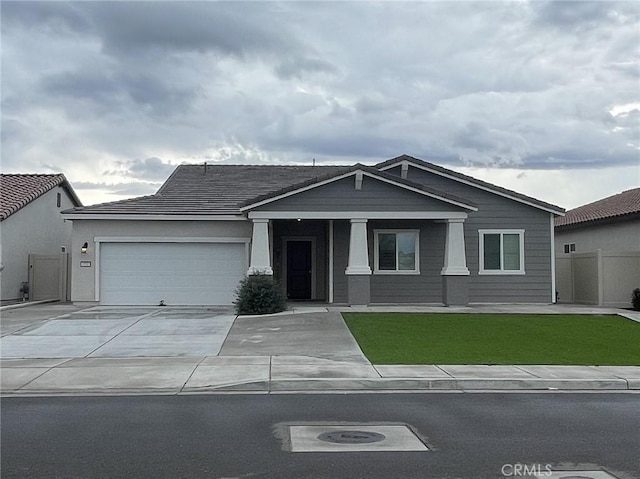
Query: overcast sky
(540, 97)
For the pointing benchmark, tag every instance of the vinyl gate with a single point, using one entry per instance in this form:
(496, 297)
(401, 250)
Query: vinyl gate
(49, 277)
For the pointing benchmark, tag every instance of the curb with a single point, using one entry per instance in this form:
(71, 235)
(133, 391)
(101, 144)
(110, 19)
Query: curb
(352, 386)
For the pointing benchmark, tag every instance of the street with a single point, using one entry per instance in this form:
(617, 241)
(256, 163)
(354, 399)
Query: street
(480, 435)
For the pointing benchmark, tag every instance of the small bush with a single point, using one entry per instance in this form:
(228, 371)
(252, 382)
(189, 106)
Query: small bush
(259, 294)
(635, 299)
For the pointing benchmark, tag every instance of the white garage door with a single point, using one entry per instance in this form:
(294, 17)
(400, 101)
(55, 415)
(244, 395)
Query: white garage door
(178, 273)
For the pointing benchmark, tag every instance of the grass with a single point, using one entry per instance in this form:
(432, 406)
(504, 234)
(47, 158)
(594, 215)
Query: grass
(416, 338)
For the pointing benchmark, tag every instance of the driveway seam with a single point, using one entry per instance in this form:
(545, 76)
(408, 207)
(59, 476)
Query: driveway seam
(128, 327)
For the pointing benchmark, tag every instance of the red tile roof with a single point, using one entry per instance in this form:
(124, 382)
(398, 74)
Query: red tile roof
(18, 190)
(614, 207)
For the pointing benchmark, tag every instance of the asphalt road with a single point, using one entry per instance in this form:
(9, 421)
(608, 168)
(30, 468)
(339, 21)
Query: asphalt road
(232, 436)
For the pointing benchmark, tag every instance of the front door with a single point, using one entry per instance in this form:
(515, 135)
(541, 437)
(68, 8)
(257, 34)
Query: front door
(299, 269)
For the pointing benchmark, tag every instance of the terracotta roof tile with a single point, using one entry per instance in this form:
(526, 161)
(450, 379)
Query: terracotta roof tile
(620, 205)
(18, 190)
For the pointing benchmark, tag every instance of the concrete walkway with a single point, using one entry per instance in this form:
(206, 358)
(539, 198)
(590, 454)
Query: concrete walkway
(204, 350)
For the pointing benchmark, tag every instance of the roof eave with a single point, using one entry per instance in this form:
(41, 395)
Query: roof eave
(369, 171)
(439, 170)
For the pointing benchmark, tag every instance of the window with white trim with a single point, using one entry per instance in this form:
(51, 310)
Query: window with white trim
(397, 252)
(569, 248)
(501, 251)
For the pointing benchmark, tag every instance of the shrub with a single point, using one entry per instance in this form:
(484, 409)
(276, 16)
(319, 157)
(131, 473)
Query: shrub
(635, 299)
(259, 294)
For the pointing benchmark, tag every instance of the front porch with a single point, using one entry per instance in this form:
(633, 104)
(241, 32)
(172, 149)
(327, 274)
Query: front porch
(362, 261)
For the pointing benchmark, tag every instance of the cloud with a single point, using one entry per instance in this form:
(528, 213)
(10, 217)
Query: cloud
(132, 89)
(149, 169)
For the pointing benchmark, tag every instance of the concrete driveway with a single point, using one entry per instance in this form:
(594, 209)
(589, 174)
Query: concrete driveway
(101, 332)
(63, 349)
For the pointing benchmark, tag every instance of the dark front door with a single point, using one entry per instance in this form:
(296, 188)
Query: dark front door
(299, 265)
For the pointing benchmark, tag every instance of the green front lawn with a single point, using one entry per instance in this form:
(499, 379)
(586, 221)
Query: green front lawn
(417, 338)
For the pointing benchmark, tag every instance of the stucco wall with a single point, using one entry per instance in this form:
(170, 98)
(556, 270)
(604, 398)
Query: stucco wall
(83, 279)
(623, 236)
(37, 228)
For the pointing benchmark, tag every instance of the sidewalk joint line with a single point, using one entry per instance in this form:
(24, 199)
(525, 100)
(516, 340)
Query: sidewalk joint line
(191, 375)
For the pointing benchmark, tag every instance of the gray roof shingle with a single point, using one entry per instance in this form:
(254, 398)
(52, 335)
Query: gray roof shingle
(18, 190)
(224, 189)
(221, 190)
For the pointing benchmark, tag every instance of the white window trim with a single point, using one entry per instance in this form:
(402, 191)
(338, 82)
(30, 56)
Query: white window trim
(500, 271)
(376, 270)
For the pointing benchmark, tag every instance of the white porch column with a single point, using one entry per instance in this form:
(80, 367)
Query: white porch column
(358, 248)
(260, 257)
(455, 259)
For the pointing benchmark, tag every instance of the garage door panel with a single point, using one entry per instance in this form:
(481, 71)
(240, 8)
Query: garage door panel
(178, 273)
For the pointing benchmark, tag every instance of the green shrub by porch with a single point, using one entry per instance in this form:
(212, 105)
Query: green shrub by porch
(635, 299)
(259, 294)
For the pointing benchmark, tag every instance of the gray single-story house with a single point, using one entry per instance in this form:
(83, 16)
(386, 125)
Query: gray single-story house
(403, 231)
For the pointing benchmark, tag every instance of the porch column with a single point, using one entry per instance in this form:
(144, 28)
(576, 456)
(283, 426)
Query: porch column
(358, 270)
(455, 274)
(260, 257)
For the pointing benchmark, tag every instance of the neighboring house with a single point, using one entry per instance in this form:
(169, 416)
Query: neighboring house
(31, 223)
(598, 251)
(404, 231)
(611, 224)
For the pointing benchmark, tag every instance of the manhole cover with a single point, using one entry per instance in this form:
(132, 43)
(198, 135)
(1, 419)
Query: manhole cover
(351, 437)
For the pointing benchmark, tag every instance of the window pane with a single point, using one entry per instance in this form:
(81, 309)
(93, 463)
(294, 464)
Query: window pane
(511, 243)
(491, 251)
(387, 251)
(406, 251)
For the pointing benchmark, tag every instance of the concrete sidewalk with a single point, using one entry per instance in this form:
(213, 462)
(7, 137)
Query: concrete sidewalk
(280, 374)
(307, 349)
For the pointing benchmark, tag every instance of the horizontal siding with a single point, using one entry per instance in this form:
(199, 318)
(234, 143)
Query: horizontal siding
(497, 212)
(341, 195)
(423, 288)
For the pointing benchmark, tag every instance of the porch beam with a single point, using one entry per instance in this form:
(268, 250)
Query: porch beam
(260, 253)
(347, 215)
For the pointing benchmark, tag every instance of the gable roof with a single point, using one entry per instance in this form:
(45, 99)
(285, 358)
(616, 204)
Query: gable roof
(217, 191)
(18, 190)
(353, 170)
(622, 206)
(454, 175)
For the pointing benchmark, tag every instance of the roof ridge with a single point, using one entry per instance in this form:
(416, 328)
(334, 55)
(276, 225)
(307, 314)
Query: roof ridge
(470, 179)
